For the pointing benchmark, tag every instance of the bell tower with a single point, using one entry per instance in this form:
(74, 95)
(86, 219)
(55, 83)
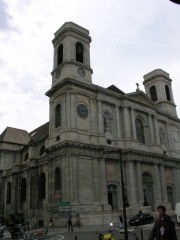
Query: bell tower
(158, 87)
(71, 54)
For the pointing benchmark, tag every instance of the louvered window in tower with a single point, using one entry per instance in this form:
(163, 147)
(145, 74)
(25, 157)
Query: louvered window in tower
(58, 116)
(79, 52)
(153, 93)
(167, 93)
(60, 55)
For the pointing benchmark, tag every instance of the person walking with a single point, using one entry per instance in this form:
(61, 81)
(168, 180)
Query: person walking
(164, 227)
(70, 226)
(121, 223)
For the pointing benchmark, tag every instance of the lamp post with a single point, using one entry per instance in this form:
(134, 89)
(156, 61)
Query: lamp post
(123, 198)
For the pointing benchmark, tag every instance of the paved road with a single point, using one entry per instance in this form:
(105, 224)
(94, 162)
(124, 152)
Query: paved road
(91, 233)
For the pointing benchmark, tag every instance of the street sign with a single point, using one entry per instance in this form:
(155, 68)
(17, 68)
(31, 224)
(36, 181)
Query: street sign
(64, 203)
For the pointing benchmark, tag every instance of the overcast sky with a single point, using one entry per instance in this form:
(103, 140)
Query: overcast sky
(129, 39)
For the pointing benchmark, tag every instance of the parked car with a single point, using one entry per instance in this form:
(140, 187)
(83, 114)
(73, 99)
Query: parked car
(141, 219)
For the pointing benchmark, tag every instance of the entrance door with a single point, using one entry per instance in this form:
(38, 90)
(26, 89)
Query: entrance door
(148, 190)
(112, 196)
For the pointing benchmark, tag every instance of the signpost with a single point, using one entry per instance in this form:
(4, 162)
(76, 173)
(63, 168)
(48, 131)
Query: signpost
(65, 206)
(64, 203)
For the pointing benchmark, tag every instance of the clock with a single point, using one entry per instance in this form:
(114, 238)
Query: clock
(82, 110)
(81, 71)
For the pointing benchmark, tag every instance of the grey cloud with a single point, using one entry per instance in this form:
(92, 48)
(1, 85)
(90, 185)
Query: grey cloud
(5, 17)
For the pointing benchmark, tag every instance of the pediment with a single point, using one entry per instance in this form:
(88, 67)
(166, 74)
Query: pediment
(142, 98)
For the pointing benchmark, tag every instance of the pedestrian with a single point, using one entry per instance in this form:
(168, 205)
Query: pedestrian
(164, 227)
(121, 224)
(51, 222)
(70, 226)
(140, 214)
(78, 223)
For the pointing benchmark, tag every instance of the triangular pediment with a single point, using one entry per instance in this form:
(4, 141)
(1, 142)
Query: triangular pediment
(141, 97)
(115, 89)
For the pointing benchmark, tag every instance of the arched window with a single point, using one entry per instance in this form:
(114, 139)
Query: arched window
(153, 93)
(167, 93)
(42, 186)
(79, 52)
(139, 131)
(42, 151)
(8, 199)
(112, 196)
(23, 189)
(60, 55)
(58, 116)
(57, 179)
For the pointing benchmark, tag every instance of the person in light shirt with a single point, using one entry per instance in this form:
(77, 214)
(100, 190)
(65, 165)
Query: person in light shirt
(164, 227)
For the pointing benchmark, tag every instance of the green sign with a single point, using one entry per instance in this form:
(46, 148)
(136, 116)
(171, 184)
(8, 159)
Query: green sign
(64, 203)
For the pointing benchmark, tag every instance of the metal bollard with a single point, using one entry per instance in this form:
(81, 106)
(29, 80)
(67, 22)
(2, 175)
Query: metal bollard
(75, 238)
(142, 234)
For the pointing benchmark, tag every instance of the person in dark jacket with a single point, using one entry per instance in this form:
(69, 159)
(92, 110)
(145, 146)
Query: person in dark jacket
(164, 227)
(70, 226)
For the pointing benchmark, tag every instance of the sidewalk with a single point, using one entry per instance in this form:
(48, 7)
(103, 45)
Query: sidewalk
(91, 228)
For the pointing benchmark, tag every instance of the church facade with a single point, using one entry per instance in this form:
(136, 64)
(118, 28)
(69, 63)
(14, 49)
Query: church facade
(71, 164)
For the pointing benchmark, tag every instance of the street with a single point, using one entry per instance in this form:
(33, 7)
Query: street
(92, 234)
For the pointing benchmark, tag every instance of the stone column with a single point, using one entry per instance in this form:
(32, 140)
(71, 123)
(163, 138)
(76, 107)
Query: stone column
(163, 184)
(157, 184)
(100, 118)
(73, 111)
(169, 137)
(93, 115)
(178, 180)
(51, 116)
(117, 122)
(133, 124)
(67, 111)
(156, 129)
(151, 132)
(126, 122)
(176, 186)
(75, 179)
(96, 189)
(139, 184)
(132, 187)
(103, 185)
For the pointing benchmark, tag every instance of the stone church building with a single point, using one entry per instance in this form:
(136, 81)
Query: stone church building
(71, 164)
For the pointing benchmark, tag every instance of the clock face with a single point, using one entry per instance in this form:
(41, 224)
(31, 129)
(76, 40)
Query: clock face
(81, 71)
(82, 110)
